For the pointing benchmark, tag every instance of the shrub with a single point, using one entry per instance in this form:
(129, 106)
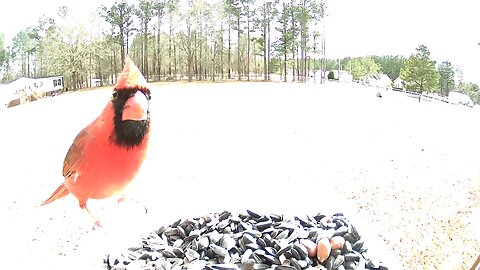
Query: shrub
(331, 75)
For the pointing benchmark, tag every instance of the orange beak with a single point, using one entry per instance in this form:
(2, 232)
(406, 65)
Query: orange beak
(136, 108)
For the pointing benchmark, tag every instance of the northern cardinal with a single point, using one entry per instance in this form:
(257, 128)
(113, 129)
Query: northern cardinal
(107, 154)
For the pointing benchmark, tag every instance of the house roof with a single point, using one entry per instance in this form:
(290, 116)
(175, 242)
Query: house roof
(379, 77)
(34, 78)
(384, 77)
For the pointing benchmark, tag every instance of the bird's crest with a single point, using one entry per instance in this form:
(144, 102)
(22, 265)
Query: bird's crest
(131, 77)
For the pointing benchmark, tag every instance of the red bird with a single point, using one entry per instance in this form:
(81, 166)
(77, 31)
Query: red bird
(107, 154)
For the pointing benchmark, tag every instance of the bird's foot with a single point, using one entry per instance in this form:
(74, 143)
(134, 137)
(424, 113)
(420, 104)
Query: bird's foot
(96, 225)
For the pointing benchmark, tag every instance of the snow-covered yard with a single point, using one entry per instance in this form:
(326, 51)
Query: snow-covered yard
(406, 172)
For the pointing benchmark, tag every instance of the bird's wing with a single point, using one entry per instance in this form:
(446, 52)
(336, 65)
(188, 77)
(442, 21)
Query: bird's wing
(75, 153)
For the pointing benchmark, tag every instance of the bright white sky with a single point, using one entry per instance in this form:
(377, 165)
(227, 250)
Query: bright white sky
(353, 28)
(449, 29)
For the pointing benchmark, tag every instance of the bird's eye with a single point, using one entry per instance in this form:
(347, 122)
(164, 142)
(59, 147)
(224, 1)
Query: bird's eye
(114, 95)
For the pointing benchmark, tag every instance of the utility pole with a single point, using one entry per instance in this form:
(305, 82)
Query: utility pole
(339, 68)
(324, 60)
(350, 66)
(315, 57)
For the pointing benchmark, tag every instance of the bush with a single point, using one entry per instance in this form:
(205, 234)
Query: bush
(331, 75)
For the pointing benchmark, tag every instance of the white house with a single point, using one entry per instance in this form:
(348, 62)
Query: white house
(379, 80)
(398, 83)
(95, 82)
(341, 75)
(458, 98)
(39, 86)
(24, 89)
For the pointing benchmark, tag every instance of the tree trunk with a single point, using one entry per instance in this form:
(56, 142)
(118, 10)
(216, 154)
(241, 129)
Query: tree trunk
(141, 64)
(265, 63)
(302, 61)
(200, 68)
(99, 71)
(175, 61)
(28, 65)
(170, 50)
(229, 52)
(74, 81)
(248, 47)
(158, 47)
(221, 52)
(213, 59)
(324, 60)
(294, 71)
(264, 36)
(285, 56)
(255, 63)
(114, 77)
(145, 50)
(122, 47)
(189, 50)
(298, 65)
(268, 50)
(126, 46)
(238, 47)
(305, 56)
(314, 59)
(195, 67)
(154, 62)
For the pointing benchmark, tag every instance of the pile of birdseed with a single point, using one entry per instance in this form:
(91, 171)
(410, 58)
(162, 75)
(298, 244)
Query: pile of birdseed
(250, 241)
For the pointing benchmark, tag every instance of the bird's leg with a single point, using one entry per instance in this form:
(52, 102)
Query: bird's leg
(96, 223)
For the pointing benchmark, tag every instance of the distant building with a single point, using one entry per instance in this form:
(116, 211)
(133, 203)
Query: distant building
(25, 89)
(458, 98)
(378, 80)
(340, 75)
(398, 84)
(95, 82)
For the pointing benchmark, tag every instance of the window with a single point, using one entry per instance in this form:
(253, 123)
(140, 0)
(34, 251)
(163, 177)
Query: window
(57, 82)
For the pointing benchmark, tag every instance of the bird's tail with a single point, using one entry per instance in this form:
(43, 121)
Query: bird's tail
(61, 192)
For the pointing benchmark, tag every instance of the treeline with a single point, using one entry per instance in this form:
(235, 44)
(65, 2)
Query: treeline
(172, 39)
(200, 40)
(361, 66)
(422, 74)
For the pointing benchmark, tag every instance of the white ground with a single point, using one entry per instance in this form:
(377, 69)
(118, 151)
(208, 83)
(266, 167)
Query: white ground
(405, 172)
